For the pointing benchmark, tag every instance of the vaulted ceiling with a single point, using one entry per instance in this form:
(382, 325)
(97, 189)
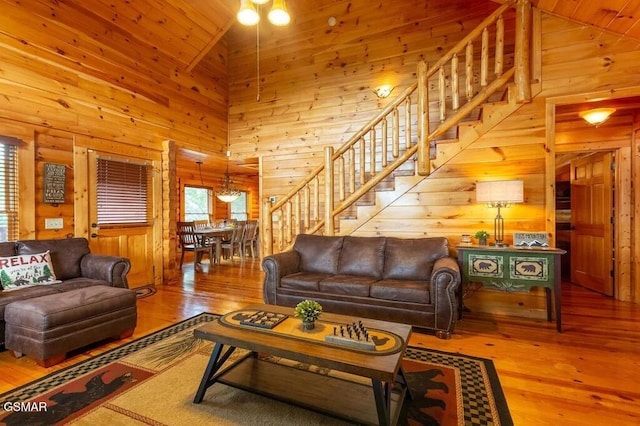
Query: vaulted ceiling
(181, 33)
(124, 41)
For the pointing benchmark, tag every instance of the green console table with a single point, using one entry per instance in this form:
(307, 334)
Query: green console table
(514, 269)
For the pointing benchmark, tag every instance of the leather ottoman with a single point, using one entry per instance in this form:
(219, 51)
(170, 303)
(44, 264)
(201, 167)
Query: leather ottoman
(48, 327)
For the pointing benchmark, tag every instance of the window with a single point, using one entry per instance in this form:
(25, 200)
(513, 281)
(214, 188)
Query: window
(197, 203)
(123, 192)
(239, 207)
(8, 189)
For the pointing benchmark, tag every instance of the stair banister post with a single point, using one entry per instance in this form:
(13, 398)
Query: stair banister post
(423, 120)
(267, 231)
(522, 67)
(329, 228)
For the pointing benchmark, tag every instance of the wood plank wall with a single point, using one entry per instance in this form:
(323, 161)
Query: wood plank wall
(60, 87)
(316, 90)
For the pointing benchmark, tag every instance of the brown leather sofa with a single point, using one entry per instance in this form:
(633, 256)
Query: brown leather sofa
(73, 264)
(413, 281)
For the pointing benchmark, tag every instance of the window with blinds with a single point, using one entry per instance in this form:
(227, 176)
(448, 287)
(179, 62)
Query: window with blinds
(8, 189)
(122, 192)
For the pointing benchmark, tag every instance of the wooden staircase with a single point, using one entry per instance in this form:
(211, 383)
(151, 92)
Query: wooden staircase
(422, 129)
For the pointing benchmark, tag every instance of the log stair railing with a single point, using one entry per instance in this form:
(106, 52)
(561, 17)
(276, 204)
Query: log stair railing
(393, 139)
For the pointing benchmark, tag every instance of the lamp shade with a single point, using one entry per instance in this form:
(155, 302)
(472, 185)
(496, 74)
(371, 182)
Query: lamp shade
(501, 192)
(278, 14)
(248, 15)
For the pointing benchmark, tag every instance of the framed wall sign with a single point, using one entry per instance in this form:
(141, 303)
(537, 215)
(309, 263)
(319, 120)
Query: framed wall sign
(530, 239)
(55, 176)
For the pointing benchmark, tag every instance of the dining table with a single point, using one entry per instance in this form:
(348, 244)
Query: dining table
(214, 235)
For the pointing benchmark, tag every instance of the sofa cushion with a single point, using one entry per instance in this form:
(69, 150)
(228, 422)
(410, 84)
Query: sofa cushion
(7, 297)
(401, 291)
(318, 253)
(351, 285)
(66, 254)
(412, 259)
(303, 281)
(80, 282)
(363, 256)
(26, 270)
(7, 249)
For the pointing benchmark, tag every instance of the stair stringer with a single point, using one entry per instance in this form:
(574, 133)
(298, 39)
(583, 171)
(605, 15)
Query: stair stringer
(364, 214)
(494, 114)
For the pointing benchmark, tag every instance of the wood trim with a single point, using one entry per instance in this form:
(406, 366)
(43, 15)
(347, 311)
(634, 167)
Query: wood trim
(550, 173)
(624, 284)
(623, 226)
(81, 190)
(27, 201)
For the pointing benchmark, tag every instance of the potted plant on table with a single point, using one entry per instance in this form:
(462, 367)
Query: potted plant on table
(309, 311)
(482, 237)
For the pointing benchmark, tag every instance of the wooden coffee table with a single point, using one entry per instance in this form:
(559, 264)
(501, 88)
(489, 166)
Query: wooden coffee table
(377, 402)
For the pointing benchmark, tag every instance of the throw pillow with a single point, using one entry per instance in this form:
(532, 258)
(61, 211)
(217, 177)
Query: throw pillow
(26, 270)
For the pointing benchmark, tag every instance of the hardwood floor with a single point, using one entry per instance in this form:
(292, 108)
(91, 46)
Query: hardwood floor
(587, 375)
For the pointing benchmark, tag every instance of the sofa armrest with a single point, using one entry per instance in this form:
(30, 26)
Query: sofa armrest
(275, 267)
(111, 269)
(445, 281)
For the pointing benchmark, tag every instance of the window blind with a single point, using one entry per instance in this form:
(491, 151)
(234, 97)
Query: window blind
(8, 190)
(122, 192)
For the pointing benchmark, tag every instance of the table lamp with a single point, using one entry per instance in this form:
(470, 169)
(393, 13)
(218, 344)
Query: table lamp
(499, 194)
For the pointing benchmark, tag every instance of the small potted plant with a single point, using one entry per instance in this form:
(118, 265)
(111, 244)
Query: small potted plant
(482, 237)
(308, 311)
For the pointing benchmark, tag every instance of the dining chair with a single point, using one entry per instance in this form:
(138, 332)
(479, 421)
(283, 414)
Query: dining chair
(234, 245)
(204, 224)
(191, 242)
(250, 238)
(200, 224)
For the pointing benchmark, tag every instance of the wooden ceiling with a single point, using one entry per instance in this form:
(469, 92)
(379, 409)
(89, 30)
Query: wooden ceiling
(616, 16)
(182, 32)
(162, 37)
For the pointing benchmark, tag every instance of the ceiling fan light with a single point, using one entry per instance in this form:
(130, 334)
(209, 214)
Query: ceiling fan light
(260, 1)
(597, 116)
(247, 15)
(227, 193)
(278, 14)
(228, 197)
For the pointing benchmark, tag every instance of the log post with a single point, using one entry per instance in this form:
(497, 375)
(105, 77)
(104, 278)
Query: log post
(423, 120)
(484, 58)
(442, 94)
(307, 207)
(499, 64)
(455, 82)
(329, 228)
(522, 76)
(468, 74)
(297, 224)
(267, 228)
(384, 142)
(395, 149)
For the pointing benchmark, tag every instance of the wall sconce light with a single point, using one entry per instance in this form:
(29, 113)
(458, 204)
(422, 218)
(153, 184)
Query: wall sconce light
(499, 194)
(597, 116)
(383, 91)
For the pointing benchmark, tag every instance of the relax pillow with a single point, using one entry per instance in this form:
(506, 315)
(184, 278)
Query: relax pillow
(26, 270)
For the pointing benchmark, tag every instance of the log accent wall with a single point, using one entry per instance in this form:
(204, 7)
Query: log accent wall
(310, 100)
(90, 75)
